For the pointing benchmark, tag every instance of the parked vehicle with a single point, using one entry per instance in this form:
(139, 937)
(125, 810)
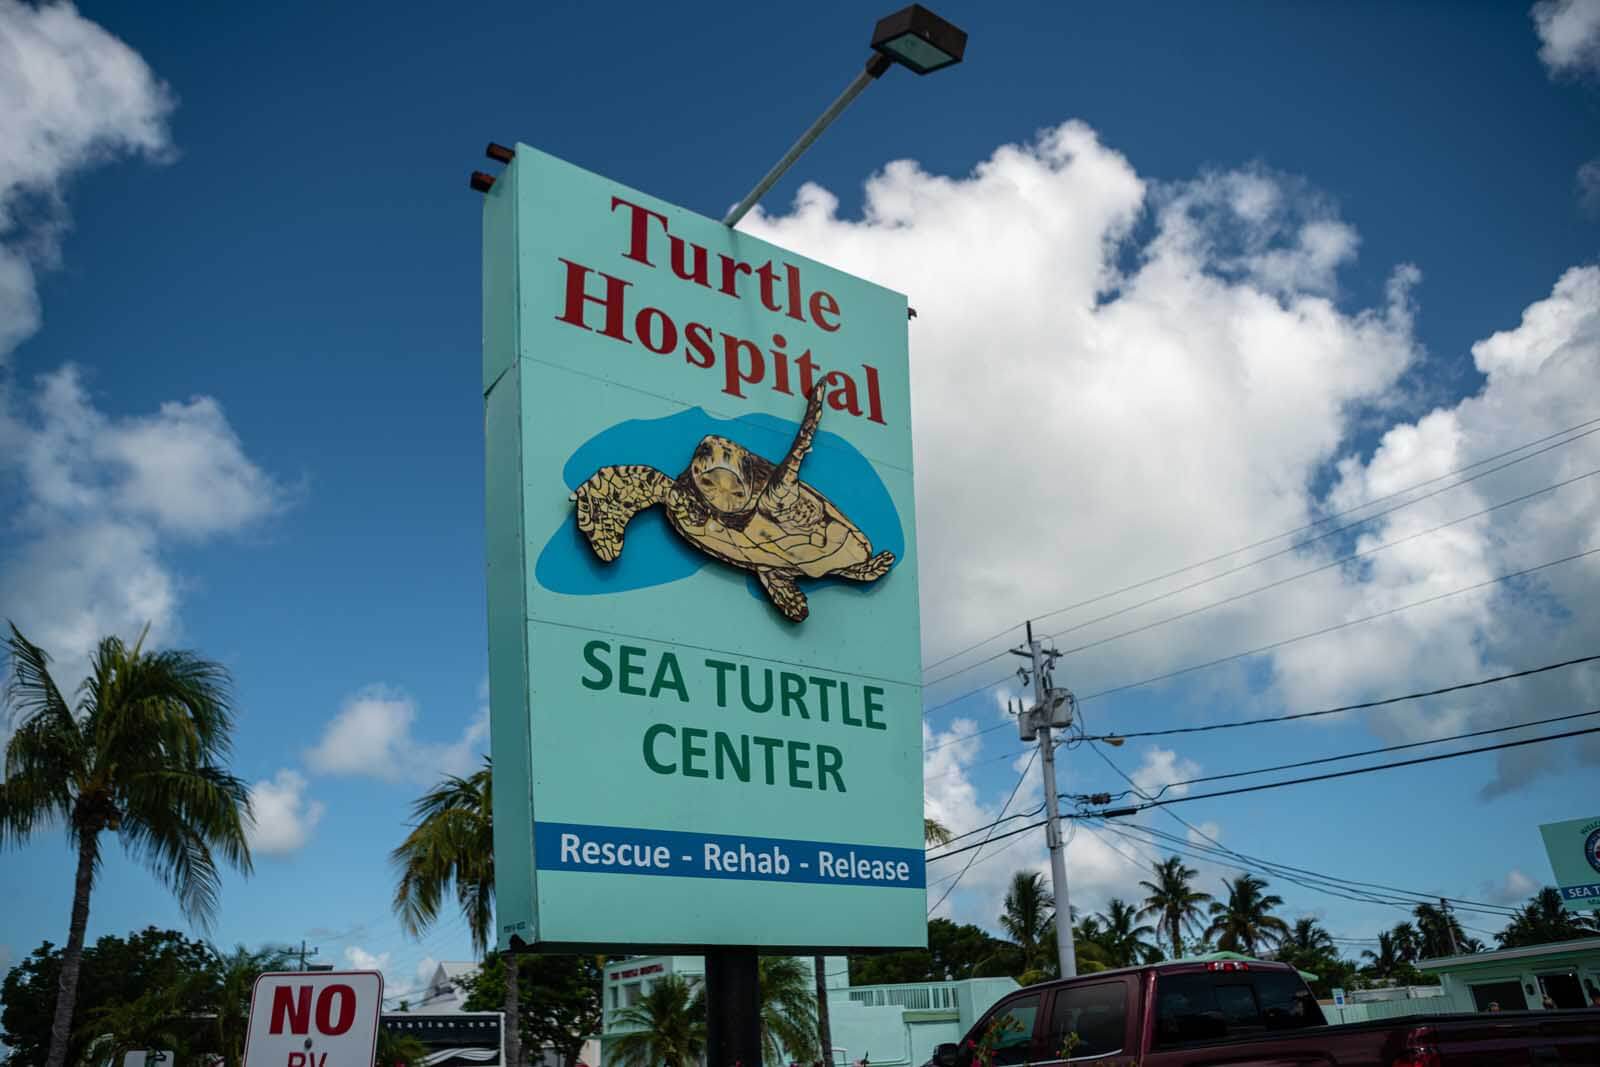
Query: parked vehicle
(1247, 1014)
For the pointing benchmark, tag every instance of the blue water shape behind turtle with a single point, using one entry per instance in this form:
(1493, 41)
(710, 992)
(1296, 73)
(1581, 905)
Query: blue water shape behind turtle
(652, 553)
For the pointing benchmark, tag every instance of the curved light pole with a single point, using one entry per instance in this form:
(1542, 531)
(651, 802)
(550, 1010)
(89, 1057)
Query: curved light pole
(913, 37)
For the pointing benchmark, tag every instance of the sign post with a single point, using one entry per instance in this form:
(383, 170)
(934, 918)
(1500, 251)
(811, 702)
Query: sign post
(314, 1019)
(704, 650)
(1574, 850)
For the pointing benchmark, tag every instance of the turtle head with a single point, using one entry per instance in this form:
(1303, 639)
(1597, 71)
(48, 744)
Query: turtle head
(721, 474)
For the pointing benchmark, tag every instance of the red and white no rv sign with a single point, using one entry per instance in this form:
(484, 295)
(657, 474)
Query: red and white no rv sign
(314, 1019)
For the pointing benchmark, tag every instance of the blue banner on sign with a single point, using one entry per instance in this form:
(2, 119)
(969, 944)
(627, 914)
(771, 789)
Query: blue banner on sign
(560, 846)
(1581, 892)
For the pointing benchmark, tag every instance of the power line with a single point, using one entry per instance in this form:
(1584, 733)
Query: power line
(1168, 840)
(1342, 625)
(1030, 813)
(1287, 533)
(952, 887)
(1263, 648)
(1109, 762)
(1348, 526)
(1346, 707)
(988, 840)
(1346, 774)
(1353, 755)
(1340, 561)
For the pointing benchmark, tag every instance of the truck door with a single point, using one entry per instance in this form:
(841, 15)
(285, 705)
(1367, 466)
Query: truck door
(1009, 1029)
(1088, 1020)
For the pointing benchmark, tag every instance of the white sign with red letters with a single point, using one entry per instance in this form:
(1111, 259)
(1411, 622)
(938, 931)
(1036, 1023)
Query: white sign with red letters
(314, 1019)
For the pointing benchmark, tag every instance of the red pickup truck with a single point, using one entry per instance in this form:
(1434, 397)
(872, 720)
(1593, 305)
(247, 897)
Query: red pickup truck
(1238, 1014)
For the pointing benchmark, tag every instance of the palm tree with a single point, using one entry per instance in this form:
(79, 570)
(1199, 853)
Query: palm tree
(235, 978)
(403, 1048)
(1125, 942)
(159, 1017)
(1438, 930)
(1386, 960)
(666, 1027)
(1307, 938)
(1545, 919)
(1173, 900)
(1029, 916)
(1244, 923)
(935, 832)
(452, 844)
(1407, 945)
(140, 755)
(788, 1013)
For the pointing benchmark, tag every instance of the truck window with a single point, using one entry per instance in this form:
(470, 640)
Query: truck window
(1214, 1006)
(1012, 1024)
(1090, 1018)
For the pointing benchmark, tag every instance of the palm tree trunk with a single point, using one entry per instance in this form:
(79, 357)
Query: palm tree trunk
(1177, 940)
(72, 955)
(824, 1032)
(513, 1023)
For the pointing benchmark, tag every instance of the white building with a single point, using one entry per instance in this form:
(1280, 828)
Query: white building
(889, 1025)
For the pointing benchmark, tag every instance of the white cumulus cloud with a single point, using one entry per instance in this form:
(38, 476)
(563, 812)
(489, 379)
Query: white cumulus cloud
(1138, 376)
(1135, 397)
(281, 816)
(1569, 34)
(98, 501)
(1515, 888)
(371, 735)
(71, 96)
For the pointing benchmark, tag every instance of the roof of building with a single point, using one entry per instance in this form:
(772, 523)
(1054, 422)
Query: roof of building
(1506, 955)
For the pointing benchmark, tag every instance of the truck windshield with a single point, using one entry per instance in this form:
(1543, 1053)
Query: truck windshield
(1216, 1006)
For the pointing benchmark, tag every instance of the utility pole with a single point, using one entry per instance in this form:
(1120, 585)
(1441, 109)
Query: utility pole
(1051, 707)
(1449, 926)
(304, 952)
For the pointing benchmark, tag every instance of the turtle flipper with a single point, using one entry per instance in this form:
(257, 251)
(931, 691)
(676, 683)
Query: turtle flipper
(868, 570)
(610, 498)
(782, 488)
(785, 594)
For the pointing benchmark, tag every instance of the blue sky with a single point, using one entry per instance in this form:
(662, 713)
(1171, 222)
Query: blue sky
(1227, 252)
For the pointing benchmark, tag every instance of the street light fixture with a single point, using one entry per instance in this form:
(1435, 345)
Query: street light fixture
(919, 40)
(915, 38)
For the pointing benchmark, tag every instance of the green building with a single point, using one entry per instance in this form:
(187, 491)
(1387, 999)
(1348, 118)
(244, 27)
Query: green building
(1564, 974)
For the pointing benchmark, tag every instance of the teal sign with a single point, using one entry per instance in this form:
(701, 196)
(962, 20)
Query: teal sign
(704, 659)
(1574, 849)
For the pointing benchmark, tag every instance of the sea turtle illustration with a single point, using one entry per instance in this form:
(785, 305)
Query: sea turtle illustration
(741, 509)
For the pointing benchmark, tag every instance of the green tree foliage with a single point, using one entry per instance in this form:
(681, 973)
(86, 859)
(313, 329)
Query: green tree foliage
(1028, 920)
(1245, 923)
(1310, 948)
(1407, 944)
(152, 989)
(788, 1011)
(233, 979)
(1435, 929)
(559, 998)
(1545, 919)
(451, 847)
(1172, 900)
(666, 1028)
(1119, 934)
(955, 951)
(405, 1049)
(141, 755)
(1392, 963)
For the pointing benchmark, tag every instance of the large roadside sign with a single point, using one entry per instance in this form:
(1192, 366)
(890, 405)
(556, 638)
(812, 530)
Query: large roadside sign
(1574, 850)
(704, 650)
(314, 1019)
